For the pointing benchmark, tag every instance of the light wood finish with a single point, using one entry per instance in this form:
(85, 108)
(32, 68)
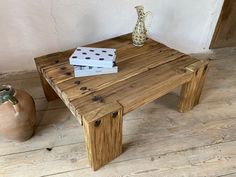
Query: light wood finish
(145, 74)
(225, 32)
(103, 135)
(191, 91)
(50, 94)
(138, 90)
(158, 140)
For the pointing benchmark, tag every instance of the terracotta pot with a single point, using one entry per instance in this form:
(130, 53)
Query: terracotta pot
(17, 114)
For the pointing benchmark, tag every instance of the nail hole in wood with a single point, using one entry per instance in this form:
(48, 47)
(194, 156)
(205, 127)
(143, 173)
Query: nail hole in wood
(97, 98)
(97, 123)
(68, 73)
(83, 88)
(114, 114)
(57, 61)
(63, 68)
(196, 72)
(77, 82)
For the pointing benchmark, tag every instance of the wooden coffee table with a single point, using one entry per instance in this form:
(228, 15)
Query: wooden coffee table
(100, 102)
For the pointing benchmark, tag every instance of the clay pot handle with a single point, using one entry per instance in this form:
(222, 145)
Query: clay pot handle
(150, 22)
(15, 103)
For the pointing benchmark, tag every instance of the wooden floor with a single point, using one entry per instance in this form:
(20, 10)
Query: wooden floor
(158, 140)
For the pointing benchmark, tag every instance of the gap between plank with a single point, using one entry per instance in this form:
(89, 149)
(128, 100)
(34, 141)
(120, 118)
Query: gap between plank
(155, 155)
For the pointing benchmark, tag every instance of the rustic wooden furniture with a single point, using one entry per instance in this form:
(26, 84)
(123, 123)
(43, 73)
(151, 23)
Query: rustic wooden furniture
(100, 102)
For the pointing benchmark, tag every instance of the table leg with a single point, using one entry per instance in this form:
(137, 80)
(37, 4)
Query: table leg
(50, 94)
(103, 137)
(191, 91)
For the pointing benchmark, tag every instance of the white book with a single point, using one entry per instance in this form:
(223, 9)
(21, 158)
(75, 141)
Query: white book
(97, 57)
(82, 71)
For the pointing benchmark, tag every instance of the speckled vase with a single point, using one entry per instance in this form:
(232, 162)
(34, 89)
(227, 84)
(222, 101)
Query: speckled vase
(139, 35)
(17, 114)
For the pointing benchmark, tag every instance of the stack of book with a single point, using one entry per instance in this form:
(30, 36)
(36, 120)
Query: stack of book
(93, 61)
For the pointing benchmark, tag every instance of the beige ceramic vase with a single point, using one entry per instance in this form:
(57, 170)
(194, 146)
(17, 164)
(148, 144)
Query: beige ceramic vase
(17, 114)
(139, 35)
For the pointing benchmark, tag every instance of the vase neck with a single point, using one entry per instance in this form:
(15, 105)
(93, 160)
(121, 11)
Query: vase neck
(141, 13)
(6, 91)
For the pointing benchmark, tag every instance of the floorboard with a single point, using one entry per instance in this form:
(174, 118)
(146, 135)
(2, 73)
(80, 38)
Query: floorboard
(158, 140)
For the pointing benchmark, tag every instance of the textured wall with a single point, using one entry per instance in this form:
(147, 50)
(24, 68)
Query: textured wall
(31, 28)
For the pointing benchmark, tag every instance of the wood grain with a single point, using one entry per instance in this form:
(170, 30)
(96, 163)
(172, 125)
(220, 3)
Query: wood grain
(50, 94)
(191, 91)
(103, 135)
(158, 140)
(216, 160)
(138, 90)
(145, 74)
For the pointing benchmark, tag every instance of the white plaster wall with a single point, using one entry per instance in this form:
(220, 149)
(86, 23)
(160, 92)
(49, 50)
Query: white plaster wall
(31, 28)
(187, 25)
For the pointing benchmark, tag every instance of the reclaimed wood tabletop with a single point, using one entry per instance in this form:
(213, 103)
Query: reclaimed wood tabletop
(99, 102)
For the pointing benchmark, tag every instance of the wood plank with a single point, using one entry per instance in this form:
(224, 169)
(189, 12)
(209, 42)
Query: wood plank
(69, 90)
(50, 94)
(131, 63)
(191, 91)
(151, 130)
(220, 82)
(103, 136)
(122, 55)
(137, 90)
(233, 174)
(61, 57)
(217, 160)
(73, 157)
(57, 74)
(32, 86)
(58, 127)
(131, 90)
(16, 76)
(217, 84)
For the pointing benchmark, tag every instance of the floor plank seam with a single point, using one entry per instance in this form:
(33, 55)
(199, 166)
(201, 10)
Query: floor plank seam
(157, 155)
(65, 172)
(228, 174)
(81, 142)
(41, 149)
